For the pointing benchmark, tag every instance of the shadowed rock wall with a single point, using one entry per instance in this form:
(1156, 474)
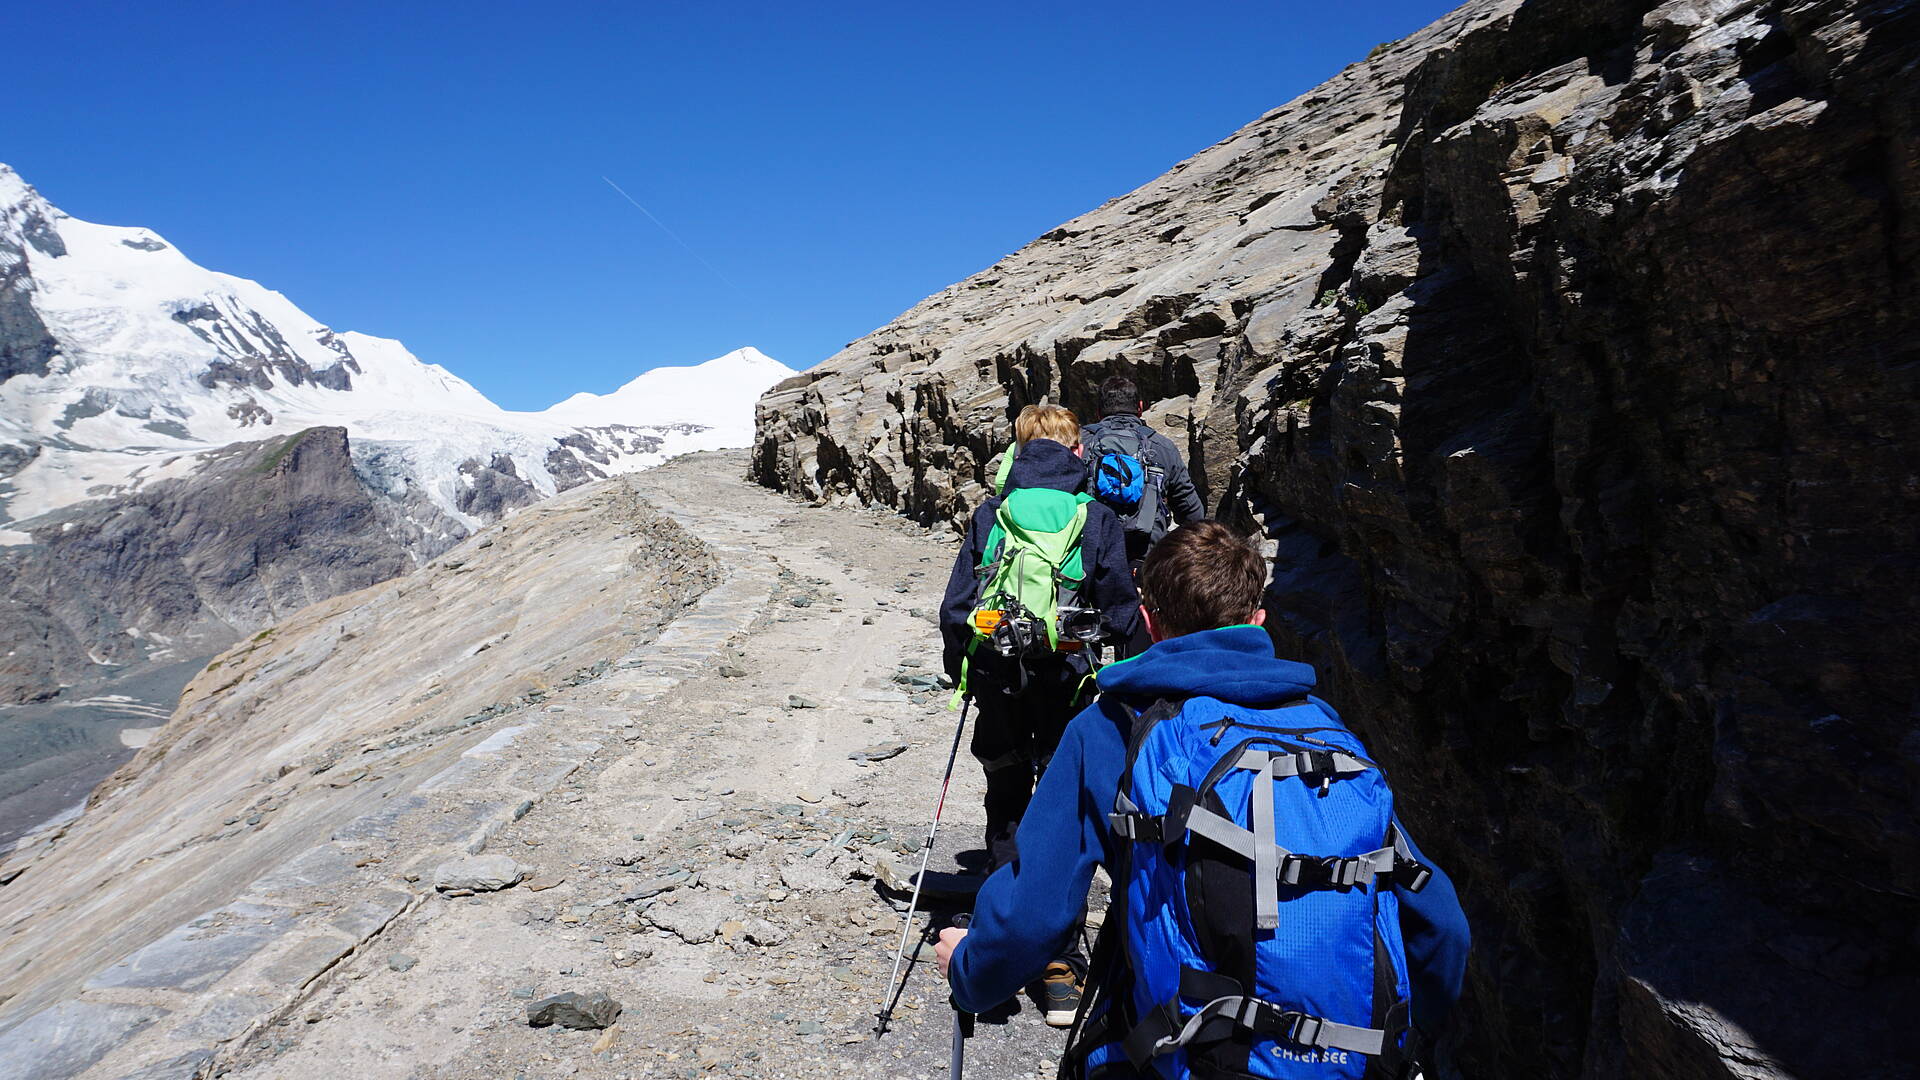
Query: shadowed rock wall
(258, 531)
(1565, 353)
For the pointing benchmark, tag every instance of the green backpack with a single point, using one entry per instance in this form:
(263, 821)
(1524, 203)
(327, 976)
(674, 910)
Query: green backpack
(1029, 578)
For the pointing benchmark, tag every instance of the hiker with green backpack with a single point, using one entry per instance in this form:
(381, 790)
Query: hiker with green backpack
(1039, 588)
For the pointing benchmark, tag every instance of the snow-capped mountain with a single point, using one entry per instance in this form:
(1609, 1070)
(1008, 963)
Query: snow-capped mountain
(120, 359)
(185, 455)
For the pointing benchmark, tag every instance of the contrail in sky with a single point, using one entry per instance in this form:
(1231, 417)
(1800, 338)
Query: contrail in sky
(670, 232)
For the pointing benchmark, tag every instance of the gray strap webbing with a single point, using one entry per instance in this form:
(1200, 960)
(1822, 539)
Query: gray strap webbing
(1284, 866)
(1266, 859)
(1314, 1031)
(1306, 1030)
(1204, 822)
(1302, 763)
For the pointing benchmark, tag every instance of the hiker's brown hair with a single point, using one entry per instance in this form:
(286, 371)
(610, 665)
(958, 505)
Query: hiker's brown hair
(1202, 576)
(1054, 422)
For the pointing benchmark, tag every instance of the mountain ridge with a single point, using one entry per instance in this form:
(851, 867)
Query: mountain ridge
(127, 370)
(1562, 356)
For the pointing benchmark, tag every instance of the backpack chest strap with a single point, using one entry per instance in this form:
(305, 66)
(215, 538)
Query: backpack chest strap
(1393, 862)
(1228, 1007)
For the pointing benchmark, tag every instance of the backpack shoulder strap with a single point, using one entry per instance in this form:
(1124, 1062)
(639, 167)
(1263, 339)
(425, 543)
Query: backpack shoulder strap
(1005, 470)
(1125, 813)
(1104, 1004)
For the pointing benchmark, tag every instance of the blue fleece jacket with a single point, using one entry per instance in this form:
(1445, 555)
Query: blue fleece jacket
(1043, 463)
(1029, 908)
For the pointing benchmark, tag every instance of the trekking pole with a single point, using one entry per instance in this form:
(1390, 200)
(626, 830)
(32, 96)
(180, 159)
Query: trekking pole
(926, 855)
(962, 1020)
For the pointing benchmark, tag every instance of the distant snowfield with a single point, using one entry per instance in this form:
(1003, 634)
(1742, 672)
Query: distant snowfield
(144, 360)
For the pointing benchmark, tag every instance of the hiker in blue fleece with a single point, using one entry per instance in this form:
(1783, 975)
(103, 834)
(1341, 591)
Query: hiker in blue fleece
(1027, 909)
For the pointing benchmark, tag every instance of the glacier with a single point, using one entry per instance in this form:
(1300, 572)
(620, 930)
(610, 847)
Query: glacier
(123, 362)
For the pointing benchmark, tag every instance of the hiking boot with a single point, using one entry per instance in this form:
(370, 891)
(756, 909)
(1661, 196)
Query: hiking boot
(1060, 994)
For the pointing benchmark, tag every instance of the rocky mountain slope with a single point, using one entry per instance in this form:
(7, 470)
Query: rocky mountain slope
(136, 387)
(326, 726)
(658, 748)
(1565, 354)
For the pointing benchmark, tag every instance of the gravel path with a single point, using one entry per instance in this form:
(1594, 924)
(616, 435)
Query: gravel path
(715, 872)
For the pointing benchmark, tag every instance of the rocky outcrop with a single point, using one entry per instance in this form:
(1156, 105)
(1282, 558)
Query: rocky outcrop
(183, 567)
(1565, 353)
(317, 776)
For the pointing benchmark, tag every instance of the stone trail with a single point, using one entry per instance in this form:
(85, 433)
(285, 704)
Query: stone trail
(699, 829)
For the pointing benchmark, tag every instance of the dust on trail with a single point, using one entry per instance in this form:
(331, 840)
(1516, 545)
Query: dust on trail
(731, 813)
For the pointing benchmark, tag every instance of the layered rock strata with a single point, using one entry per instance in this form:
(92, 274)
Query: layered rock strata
(266, 831)
(1565, 353)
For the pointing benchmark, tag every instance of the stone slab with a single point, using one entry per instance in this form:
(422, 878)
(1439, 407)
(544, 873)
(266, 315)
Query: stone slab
(364, 917)
(458, 822)
(380, 824)
(499, 740)
(185, 1067)
(195, 956)
(317, 867)
(63, 1040)
(464, 773)
(224, 1017)
(302, 961)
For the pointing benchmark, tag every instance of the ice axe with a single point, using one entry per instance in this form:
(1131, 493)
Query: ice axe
(926, 855)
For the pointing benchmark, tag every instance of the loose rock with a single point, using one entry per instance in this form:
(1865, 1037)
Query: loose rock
(480, 873)
(581, 1012)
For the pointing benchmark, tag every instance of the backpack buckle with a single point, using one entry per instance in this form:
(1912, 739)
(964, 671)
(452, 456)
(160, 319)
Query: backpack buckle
(1413, 876)
(1306, 871)
(1300, 1028)
(1319, 871)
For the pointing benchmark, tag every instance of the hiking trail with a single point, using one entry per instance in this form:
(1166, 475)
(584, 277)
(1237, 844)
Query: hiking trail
(710, 866)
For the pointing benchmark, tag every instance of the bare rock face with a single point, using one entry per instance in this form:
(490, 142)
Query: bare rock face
(1565, 352)
(258, 531)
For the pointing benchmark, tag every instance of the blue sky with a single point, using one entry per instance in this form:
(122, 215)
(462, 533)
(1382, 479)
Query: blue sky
(433, 172)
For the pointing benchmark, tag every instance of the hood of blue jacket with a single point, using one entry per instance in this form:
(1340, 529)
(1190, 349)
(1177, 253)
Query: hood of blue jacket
(1044, 463)
(1234, 664)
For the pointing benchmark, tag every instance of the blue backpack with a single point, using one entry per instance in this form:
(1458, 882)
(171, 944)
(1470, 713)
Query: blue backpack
(1253, 930)
(1123, 476)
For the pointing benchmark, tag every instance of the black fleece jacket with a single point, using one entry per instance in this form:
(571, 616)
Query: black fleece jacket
(1044, 463)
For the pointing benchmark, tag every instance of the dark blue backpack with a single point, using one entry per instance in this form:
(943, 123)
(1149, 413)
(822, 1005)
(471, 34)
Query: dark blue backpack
(1253, 930)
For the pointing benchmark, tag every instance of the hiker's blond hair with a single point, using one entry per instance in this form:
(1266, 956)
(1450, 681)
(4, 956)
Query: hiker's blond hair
(1055, 422)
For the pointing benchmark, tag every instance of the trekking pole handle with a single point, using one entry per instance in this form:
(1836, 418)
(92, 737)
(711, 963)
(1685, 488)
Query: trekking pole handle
(962, 921)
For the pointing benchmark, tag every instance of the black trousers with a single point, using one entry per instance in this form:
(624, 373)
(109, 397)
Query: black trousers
(1014, 737)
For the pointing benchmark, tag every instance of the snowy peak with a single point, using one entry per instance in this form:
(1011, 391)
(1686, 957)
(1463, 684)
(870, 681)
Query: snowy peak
(121, 358)
(150, 408)
(673, 395)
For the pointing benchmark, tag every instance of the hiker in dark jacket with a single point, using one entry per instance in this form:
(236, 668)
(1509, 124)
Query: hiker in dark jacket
(1121, 429)
(1021, 706)
(1033, 905)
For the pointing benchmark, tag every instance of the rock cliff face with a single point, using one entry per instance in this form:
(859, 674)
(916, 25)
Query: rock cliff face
(1565, 353)
(182, 567)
